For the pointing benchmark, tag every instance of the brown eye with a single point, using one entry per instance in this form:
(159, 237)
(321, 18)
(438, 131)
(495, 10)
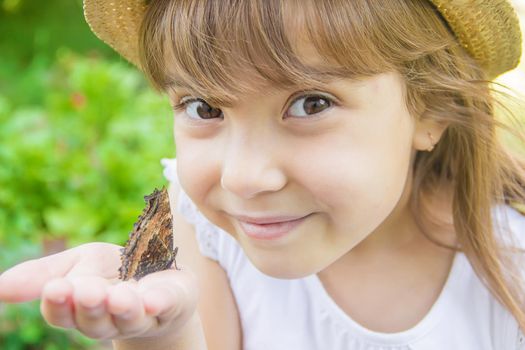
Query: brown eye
(200, 109)
(309, 105)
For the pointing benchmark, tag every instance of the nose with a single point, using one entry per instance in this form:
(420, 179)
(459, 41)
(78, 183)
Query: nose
(251, 168)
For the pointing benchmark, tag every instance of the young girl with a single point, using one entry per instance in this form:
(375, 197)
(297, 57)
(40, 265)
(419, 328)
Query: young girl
(339, 182)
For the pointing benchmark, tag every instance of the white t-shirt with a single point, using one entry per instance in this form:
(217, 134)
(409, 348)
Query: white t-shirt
(298, 314)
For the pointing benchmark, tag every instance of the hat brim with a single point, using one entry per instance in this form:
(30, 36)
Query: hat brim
(488, 29)
(117, 23)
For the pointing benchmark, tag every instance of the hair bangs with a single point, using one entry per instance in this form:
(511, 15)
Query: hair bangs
(218, 49)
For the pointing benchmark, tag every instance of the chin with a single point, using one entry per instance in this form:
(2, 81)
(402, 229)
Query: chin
(284, 270)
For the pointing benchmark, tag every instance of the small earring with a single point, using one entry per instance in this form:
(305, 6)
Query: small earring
(432, 143)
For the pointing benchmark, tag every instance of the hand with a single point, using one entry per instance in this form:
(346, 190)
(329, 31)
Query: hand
(79, 288)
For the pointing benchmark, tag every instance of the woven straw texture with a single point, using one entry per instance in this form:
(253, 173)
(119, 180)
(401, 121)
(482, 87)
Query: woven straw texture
(488, 29)
(117, 23)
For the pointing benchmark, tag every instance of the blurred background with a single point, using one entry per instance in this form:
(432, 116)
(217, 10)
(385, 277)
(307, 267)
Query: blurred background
(81, 138)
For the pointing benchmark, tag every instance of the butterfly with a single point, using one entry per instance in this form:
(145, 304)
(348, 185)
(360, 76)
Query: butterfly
(150, 245)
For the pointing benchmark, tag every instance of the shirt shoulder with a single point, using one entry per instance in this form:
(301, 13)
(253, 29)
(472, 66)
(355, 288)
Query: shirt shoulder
(509, 225)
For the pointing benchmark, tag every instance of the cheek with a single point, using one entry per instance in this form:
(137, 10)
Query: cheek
(359, 178)
(196, 167)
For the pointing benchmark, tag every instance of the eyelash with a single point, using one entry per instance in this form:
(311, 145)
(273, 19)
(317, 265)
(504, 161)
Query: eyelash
(185, 101)
(303, 94)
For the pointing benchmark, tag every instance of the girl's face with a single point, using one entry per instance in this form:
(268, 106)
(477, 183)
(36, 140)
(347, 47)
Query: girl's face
(301, 177)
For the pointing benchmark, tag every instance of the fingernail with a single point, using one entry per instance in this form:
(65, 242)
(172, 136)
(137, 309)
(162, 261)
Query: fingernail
(126, 315)
(94, 311)
(58, 300)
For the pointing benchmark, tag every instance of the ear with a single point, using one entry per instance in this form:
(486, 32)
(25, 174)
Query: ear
(421, 140)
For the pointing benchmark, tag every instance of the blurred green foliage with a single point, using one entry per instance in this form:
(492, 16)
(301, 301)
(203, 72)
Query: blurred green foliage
(81, 138)
(22, 328)
(76, 165)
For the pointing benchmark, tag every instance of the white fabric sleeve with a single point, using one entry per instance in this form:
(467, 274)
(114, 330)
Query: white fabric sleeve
(520, 342)
(511, 224)
(207, 234)
(517, 225)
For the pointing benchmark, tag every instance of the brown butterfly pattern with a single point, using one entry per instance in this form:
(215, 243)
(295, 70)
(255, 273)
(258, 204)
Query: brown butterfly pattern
(150, 245)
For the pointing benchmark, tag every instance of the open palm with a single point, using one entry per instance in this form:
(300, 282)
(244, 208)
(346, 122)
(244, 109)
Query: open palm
(79, 288)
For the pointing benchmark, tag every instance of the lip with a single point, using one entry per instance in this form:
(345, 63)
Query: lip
(269, 228)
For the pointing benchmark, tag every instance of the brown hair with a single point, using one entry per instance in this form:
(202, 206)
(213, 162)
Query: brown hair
(201, 44)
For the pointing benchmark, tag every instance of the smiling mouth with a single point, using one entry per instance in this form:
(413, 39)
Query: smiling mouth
(269, 228)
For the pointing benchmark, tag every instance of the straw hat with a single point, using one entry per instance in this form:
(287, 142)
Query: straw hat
(488, 29)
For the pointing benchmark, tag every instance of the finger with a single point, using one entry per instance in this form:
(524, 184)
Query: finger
(169, 295)
(24, 282)
(125, 304)
(161, 300)
(56, 305)
(101, 259)
(91, 315)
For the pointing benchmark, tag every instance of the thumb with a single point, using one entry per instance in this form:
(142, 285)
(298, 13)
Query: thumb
(25, 281)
